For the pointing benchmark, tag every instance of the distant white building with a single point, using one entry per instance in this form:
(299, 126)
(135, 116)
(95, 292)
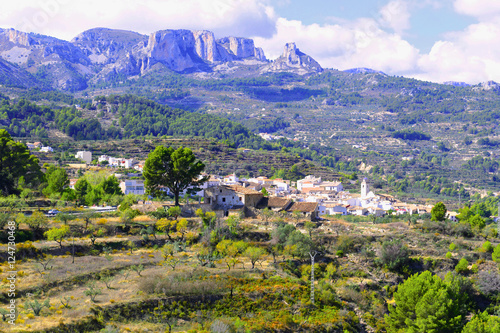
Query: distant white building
(132, 186)
(84, 156)
(309, 181)
(231, 179)
(332, 186)
(118, 162)
(46, 149)
(330, 208)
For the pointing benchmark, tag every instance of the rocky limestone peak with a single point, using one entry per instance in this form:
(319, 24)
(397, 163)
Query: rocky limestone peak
(293, 58)
(242, 47)
(175, 49)
(15, 37)
(206, 47)
(490, 85)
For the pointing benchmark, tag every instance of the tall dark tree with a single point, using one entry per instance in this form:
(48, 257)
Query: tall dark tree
(82, 188)
(57, 180)
(173, 169)
(16, 162)
(438, 212)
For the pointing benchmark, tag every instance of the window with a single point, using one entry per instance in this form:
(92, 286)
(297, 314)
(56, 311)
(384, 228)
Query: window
(223, 199)
(241, 199)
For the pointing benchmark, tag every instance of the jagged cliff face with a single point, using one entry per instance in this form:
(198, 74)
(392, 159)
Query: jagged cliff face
(102, 54)
(293, 59)
(182, 50)
(242, 48)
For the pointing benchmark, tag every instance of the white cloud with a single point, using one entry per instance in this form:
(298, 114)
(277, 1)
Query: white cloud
(470, 55)
(65, 19)
(396, 15)
(358, 44)
(478, 8)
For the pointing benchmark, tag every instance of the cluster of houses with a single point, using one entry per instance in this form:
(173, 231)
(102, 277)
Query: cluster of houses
(311, 196)
(117, 161)
(121, 162)
(38, 146)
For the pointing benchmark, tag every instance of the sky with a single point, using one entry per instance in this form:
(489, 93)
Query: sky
(433, 40)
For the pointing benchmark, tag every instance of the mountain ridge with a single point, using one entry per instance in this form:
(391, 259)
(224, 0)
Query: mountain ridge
(102, 54)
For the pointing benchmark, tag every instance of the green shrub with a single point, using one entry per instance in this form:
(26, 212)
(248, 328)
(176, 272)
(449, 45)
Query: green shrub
(448, 255)
(345, 243)
(452, 247)
(394, 255)
(487, 247)
(496, 254)
(462, 266)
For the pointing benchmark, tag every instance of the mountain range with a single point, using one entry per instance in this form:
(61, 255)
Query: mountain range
(101, 54)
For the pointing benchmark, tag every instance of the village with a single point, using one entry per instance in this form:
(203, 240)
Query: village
(313, 197)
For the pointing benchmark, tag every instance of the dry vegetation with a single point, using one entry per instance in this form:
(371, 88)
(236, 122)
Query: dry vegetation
(123, 279)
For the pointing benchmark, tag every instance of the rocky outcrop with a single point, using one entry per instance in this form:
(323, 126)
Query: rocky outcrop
(15, 37)
(490, 85)
(241, 48)
(173, 48)
(104, 46)
(293, 58)
(182, 50)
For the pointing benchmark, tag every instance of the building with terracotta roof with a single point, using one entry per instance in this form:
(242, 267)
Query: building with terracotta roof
(276, 204)
(231, 196)
(308, 209)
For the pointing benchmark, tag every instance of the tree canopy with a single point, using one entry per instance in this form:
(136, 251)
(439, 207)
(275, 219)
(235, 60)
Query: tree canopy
(438, 212)
(425, 303)
(173, 169)
(16, 163)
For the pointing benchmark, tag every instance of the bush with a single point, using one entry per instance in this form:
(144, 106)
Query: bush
(464, 229)
(487, 247)
(345, 243)
(496, 254)
(488, 282)
(448, 255)
(394, 255)
(462, 266)
(222, 326)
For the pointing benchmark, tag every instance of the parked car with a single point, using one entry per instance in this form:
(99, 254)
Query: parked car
(53, 212)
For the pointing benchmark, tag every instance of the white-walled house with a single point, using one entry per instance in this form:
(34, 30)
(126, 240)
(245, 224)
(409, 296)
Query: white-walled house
(132, 186)
(309, 181)
(231, 179)
(84, 156)
(47, 149)
(332, 209)
(332, 186)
